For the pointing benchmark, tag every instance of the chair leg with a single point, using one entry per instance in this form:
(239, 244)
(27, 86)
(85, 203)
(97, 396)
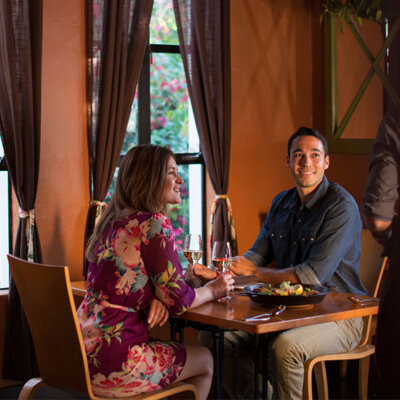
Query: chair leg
(363, 372)
(30, 388)
(343, 368)
(321, 380)
(307, 383)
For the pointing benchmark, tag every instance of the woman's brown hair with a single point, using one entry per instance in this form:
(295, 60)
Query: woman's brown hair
(140, 182)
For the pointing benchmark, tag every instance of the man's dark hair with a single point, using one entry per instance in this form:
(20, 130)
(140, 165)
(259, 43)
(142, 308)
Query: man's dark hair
(304, 131)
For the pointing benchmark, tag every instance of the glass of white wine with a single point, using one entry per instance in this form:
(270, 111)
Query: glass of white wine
(221, 259)
(193, 248)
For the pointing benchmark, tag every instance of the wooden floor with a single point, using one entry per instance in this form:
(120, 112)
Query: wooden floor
(339, 388)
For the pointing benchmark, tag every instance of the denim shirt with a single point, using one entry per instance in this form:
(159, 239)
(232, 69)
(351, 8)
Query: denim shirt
(321, 239)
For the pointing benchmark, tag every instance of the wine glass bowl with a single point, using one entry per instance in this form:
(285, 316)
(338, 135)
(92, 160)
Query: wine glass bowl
(221, 259)
(192, 248)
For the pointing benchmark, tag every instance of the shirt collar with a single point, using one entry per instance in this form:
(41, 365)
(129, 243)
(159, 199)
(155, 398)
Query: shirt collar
(294, 200)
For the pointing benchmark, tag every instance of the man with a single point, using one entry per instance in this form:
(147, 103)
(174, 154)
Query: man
(380, 212)
(312, 234)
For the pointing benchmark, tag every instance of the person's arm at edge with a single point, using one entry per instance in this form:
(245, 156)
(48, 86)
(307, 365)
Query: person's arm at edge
(243, 266)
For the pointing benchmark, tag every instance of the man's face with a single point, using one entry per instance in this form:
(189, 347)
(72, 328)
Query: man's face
(307, 163)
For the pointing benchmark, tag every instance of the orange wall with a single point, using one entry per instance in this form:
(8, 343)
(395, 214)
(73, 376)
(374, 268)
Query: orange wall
(277, 86)
(63, 192)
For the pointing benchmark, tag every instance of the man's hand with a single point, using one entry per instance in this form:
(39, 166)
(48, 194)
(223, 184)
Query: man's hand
(158, 313)
(203, 272)
(242, 266)
(380, 229)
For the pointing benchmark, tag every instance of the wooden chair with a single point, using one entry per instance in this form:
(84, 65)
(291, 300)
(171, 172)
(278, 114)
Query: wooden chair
(372, 266)
(49, 307)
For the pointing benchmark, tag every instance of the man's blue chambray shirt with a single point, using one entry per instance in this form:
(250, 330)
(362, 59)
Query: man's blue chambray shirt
(320, 239)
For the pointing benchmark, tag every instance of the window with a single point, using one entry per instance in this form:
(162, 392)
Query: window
(5, 222)
(161, 114)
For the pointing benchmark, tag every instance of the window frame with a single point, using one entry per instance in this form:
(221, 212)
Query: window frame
(144, 124)
(3, 167)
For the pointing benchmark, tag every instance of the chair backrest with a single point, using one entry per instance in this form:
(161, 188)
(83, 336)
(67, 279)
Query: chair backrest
(47, 299)
(372, 267)
(372, 263)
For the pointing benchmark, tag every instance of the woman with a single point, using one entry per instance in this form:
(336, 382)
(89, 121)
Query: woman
(135, 280)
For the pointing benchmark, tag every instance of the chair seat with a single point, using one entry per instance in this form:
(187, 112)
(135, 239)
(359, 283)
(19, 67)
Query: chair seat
(46, 295)
(30, 387)
(355, 354)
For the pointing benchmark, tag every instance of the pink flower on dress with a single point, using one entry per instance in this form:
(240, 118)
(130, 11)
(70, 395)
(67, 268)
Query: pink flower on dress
(111, 383)
(91, 334)
(164, 356)
(126, 243)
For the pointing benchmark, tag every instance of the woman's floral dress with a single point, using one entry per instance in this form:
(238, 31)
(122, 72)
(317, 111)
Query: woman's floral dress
(136, 261)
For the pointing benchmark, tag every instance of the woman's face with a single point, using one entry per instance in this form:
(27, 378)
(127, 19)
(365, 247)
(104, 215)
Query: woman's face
(171, 193)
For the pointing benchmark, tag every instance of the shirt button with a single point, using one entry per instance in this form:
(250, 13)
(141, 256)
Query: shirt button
(299, 220)
(312, 239)
(303, 239)
(280, 236)
(272, 234)
(295, 243)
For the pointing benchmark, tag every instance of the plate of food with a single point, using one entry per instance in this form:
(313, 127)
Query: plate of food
(286, 293)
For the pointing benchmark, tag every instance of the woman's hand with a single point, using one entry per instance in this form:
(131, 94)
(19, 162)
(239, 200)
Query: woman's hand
(221, 287)
(158, 313)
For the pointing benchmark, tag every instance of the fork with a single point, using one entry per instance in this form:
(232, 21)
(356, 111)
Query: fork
(265, 317)
(361, 301)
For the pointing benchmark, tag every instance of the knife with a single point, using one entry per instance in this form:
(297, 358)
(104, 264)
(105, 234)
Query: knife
(265, 317)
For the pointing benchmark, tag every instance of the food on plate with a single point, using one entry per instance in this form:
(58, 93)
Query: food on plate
(285, 289)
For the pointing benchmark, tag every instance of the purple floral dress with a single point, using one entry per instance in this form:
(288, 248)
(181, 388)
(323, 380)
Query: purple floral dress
(136, 261)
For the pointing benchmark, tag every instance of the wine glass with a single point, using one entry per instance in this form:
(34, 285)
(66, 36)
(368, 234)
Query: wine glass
(192, 248)
(221, 259)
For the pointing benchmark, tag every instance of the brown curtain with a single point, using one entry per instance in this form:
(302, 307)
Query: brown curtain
(20, 101)
(204, 37)
(117, 33)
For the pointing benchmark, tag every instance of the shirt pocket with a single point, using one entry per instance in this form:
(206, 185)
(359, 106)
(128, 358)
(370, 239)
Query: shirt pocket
(279, 240)
(306, 239)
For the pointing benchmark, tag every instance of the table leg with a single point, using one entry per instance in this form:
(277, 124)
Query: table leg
(261, 346)
(264, 366)
(218, 343)
(176, 328)
(257, 346)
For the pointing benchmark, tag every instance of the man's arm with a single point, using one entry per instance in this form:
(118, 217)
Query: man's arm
(381, 193)
(243, 266)
(380, 229)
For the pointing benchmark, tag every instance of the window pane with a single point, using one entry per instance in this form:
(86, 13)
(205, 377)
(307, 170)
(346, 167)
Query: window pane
(187, 217)
(169, 104)
(4, 226)
(162, 24)
(131, 135)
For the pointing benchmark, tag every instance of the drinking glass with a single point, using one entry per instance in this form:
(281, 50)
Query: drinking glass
(192, 248)
(221, 259)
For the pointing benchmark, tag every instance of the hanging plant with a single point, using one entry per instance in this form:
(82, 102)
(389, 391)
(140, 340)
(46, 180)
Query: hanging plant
(355, 10)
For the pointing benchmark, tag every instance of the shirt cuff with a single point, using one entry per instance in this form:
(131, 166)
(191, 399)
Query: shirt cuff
(306, 275)
(254, 257)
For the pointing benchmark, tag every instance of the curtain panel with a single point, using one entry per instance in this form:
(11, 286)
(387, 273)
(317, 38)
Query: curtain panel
(20, 108)
(116, 38)
(204, 38)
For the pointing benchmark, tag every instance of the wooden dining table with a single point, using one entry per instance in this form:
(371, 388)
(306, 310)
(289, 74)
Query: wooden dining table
(218, 317)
